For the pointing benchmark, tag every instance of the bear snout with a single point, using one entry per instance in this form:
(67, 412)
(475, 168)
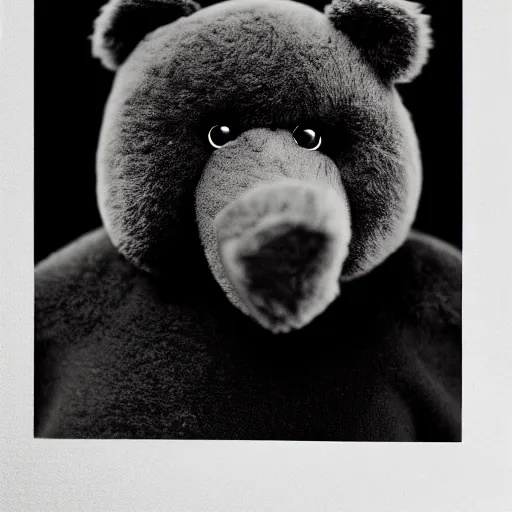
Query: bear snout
(282, 247)
(274, 222)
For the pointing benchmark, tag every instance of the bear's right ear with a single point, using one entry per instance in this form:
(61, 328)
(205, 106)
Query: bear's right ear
(393, 35)
(122, 24)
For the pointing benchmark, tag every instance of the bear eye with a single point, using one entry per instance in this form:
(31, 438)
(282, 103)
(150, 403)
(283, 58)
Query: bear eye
(307, 138)
(220, 135)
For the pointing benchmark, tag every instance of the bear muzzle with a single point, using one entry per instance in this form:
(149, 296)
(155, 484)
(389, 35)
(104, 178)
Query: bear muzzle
(282, 246)
(275, 236)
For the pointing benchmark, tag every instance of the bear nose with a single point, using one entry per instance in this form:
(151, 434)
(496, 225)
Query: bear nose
(282, 246)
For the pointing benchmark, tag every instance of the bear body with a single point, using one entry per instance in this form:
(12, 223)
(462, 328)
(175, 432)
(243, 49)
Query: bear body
(256, 276)
(137, 359)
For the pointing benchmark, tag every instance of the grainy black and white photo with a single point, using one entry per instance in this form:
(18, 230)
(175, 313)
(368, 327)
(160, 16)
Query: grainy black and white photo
(249, 224)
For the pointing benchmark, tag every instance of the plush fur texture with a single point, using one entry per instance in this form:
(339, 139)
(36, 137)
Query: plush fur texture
(284, 63)
(120, 354)
(282, 247)
(393, 35)
(123, 23)
(134, 335)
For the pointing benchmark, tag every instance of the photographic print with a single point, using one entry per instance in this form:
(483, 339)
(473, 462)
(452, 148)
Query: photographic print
(248, 223)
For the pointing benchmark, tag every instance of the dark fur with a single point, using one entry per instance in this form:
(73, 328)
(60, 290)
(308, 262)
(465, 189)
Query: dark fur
(122, 24)
(282, 273)
(119, 354)
(284, 63)
(393, 35)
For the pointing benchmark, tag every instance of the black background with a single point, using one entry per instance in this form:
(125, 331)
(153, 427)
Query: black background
(71, 90)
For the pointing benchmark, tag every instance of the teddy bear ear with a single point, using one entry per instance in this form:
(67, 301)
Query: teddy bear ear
(122, 24)
(393, 35)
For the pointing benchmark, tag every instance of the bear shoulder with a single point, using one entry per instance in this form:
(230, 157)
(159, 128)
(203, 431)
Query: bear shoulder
(434, 270)
(77, 284)
(420, 286)
(424, 281)
(435, 251)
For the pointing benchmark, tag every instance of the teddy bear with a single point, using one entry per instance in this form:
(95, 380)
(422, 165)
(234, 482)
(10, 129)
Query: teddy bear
(257, 276)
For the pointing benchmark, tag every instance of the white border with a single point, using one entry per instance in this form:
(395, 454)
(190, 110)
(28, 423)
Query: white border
(240, 476)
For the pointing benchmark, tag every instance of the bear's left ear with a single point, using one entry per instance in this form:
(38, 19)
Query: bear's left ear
(122, 24)
(393, 35)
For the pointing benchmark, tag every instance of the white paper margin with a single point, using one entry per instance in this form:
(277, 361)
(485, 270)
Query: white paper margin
(44, 475)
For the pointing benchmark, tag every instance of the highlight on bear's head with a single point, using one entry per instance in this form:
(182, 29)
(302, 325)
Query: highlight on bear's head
(266, 74)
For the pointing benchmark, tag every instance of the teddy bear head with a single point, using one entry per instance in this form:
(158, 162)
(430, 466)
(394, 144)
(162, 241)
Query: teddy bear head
(270, 129)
